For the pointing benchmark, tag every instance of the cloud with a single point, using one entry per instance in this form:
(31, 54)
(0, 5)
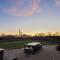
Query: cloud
(35, 6)
(23, 7)
(57, 2)
(17, 12)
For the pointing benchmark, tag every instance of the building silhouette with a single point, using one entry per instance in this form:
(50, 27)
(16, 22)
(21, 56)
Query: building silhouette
(20, 32)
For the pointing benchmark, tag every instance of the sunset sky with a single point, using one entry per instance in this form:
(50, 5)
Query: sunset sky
(31, 16)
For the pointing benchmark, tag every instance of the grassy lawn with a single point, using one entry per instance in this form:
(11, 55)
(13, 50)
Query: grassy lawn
(48, 43)
(13, 45)
(19, 44)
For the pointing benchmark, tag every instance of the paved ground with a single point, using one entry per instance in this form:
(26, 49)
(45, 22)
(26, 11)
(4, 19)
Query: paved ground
(46, 53)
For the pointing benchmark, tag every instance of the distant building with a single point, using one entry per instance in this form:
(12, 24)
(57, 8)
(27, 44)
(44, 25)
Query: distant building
(3, 35)
(25, 35)
(20, 33)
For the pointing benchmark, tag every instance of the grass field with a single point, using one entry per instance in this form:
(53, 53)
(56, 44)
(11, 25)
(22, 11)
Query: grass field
(19, 44)
(13, 45)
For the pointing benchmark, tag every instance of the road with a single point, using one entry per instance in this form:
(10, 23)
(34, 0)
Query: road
(46, 53)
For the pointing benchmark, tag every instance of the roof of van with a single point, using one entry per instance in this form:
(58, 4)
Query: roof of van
(33, 43)
(1, 49)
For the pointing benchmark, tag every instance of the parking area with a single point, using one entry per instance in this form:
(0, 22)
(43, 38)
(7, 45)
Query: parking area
(46, 53)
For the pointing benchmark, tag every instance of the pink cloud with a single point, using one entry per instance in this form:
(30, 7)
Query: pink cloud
(57, 2)
(24, 14)
(35, 6)
(16, 11)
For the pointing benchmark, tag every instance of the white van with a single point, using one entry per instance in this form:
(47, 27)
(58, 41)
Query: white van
(32, 47)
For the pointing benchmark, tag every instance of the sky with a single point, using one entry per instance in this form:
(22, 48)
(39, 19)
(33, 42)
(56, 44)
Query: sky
(31, 16)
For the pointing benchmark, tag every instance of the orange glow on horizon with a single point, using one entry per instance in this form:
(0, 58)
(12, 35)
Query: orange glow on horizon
(9, 33)
(28, 33)
(17, 33)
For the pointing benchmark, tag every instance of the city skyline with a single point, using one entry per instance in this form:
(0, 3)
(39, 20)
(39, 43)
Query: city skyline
(31, 16)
